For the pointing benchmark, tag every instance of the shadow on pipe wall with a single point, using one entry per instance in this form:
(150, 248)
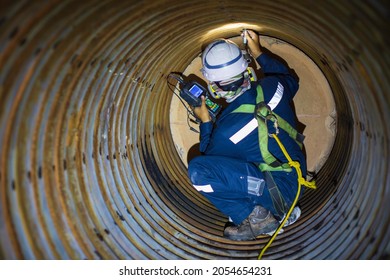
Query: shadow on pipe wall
(88, 167)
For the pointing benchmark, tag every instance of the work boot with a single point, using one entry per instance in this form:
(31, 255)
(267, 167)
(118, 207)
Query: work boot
(295, 214)
(260, 221)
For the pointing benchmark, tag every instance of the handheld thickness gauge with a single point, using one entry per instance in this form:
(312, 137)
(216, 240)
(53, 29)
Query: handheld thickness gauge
(192, 91)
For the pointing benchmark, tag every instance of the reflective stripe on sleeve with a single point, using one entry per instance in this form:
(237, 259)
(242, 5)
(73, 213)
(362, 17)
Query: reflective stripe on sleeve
(277, 97)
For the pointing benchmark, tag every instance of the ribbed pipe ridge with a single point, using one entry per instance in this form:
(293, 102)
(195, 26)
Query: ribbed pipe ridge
(88, 167)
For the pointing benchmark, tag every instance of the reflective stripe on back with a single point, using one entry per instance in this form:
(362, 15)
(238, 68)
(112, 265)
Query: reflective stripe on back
(252, 125)
(244, 131)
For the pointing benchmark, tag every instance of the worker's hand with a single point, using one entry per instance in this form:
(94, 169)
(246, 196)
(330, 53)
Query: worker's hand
(253, 43)
(201, 112)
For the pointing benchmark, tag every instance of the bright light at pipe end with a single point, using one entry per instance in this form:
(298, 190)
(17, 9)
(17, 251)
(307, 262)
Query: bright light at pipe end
(230, 29)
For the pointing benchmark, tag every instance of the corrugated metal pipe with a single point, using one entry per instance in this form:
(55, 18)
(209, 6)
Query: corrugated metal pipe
(88, 167)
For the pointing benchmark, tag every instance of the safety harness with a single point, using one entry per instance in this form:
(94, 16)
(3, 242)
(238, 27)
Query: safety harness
(263, 115)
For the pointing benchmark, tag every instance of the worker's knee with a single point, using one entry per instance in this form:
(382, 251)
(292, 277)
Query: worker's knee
(196, 169)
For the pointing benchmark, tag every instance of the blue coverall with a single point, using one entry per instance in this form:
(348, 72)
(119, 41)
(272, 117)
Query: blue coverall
(231, 152)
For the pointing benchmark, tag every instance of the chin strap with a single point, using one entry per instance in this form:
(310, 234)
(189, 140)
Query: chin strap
(238, 93)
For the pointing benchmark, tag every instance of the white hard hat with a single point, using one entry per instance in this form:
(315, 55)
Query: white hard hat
(222, 60)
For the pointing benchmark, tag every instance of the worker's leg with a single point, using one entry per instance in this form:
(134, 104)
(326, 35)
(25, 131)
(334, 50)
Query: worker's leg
(224, 182)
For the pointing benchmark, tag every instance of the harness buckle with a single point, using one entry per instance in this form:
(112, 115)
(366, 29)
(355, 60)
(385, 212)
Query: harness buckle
(274, 119)
(263, 111)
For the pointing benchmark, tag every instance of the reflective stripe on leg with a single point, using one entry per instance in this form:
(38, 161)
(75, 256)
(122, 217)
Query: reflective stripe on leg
(204, 188)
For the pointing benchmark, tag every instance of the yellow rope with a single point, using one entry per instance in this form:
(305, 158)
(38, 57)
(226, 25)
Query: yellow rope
(301, 181)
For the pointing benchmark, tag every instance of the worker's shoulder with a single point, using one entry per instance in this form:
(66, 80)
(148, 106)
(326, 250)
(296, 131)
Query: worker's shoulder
(269, 84)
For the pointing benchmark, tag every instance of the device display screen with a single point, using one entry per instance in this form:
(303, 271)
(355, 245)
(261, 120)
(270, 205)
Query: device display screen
(195, 90)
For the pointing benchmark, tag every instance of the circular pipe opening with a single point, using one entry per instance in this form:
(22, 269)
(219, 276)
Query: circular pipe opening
(89, 167)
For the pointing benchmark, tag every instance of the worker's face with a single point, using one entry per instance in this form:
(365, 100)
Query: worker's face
(231, 84)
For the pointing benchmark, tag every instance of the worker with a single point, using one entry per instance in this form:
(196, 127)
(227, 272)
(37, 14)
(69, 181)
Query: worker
(232, 171)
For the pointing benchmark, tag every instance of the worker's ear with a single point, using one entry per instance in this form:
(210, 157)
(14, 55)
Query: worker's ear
(212, 87)
(252, 74)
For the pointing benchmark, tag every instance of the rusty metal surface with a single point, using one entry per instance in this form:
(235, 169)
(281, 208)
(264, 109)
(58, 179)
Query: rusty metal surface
(88, 169)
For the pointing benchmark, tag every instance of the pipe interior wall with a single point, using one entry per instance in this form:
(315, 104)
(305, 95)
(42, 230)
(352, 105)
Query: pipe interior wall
(88, 167)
